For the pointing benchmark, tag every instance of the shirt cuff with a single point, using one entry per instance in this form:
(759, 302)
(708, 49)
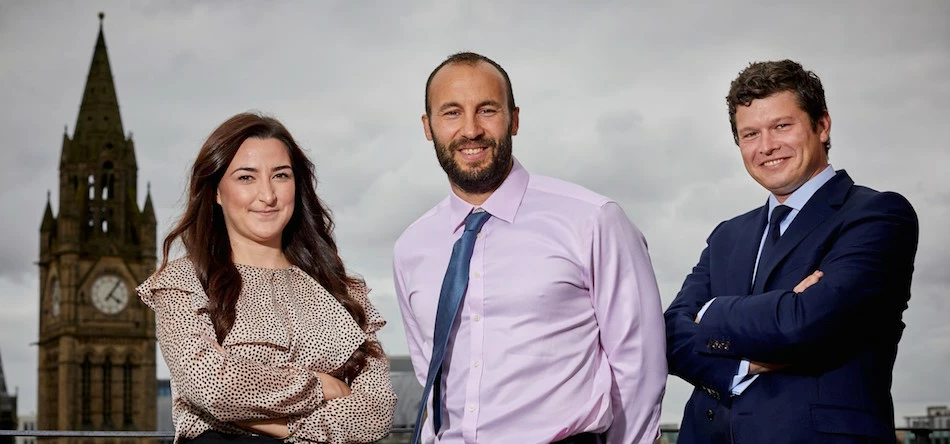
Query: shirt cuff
(699, 317)
(742, 379)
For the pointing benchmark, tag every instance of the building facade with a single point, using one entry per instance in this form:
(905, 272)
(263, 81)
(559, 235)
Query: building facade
(27, 424)
(409, 394)
(8, 417)
(96, 339)
(937, 421)
(163, 410)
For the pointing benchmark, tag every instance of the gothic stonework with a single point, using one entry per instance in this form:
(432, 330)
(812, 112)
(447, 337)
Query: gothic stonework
(97, 340)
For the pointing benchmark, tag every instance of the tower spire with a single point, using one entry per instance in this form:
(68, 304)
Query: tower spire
(98, 171)
(3, 381)
(149, 209)
(99, 117)
(48, 219)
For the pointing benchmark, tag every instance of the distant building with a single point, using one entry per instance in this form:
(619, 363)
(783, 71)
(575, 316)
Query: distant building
(938, 417)
(409, 392)
(8, 418)
(27, 423)
(164, 409)
(670, 435)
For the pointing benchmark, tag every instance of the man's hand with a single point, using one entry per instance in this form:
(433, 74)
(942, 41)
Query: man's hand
(332, 387)
(810, 280)
(756, 368)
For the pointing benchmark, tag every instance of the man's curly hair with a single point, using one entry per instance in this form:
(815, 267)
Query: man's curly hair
(763, 79)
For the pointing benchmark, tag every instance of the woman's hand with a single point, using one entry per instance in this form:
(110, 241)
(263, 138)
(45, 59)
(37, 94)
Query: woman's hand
(277, 427)
(332, 387)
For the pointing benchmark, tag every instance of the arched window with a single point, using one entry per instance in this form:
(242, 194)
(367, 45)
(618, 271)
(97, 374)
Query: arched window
(107, 184)
(127, 392)
(92, 187)
(107, 393)
(105, 217)
(86, 392)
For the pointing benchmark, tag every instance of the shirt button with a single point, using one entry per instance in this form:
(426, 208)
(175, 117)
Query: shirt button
(476, 317)
(476, 274)
(479, 234)
(471, 407)
(475, 363)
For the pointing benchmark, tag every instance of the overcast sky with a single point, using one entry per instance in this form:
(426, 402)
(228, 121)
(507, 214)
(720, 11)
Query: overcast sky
(623, 97)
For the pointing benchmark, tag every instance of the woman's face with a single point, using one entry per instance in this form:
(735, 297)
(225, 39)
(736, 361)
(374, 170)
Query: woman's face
(257, 192)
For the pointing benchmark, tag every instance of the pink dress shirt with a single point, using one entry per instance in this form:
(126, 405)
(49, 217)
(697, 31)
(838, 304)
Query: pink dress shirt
(561, 330)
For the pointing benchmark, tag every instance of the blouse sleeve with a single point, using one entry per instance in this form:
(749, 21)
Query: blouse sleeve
(227, 386)
(366, 415)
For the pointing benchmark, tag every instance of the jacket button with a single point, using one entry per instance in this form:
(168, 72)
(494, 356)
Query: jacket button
(710, 414)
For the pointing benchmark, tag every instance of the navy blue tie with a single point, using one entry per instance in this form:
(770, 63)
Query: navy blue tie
(775, 221)
(450, 299)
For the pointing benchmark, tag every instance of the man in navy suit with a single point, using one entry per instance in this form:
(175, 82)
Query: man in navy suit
(788, 325)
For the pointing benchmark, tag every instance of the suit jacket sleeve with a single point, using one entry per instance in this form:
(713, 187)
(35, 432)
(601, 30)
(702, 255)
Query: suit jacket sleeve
(865, 288)
(712, 374)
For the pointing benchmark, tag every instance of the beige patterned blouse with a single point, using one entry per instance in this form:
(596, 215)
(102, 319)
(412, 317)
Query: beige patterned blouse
(288, 328)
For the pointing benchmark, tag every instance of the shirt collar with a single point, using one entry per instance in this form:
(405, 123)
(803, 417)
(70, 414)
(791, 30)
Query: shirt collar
(800, 197)
(503, 202)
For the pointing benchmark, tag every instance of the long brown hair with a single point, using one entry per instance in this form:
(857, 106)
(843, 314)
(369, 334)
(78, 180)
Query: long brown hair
(307, 240)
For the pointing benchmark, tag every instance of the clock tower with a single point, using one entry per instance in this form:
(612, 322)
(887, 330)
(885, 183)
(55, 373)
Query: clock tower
(97, 340)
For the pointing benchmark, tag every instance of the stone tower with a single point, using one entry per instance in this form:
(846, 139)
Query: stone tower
(97, 340)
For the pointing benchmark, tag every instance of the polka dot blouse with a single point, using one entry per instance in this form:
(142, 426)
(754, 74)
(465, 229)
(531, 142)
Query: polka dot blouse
(288, 328)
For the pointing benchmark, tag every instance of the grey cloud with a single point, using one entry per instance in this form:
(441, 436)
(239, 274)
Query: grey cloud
(18, 321)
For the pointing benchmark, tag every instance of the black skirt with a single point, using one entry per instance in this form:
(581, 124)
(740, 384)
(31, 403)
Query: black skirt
(214, 437)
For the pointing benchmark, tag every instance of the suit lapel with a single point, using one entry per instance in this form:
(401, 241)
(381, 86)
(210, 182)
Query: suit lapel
(742, 260)
(822, 205)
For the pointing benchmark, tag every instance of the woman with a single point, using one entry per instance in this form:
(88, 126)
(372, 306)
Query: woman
(266, 336)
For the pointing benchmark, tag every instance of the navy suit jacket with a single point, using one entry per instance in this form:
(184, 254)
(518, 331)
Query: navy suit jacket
(838, 337)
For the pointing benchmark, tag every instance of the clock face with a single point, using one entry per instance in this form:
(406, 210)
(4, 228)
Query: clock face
(55, 296)
(110, 294)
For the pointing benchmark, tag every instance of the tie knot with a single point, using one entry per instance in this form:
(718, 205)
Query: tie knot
(778, 214)
(475, 220)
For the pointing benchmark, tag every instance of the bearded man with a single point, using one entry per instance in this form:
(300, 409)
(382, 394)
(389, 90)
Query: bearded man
(531, 308)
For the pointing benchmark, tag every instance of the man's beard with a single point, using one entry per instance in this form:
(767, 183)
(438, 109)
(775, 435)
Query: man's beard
(482, 180)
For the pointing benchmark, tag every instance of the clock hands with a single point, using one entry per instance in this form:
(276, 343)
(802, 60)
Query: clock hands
(111, 294)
